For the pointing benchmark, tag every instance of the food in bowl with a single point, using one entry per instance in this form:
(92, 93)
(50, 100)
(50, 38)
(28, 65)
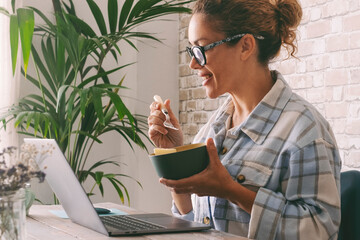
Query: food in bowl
(180, 162)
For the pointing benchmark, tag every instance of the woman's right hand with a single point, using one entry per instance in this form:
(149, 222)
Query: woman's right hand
(161, 136)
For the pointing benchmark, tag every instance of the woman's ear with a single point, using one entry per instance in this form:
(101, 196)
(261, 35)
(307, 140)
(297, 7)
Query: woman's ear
(247, 46)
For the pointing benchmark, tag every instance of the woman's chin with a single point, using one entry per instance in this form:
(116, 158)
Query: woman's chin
(211, 94)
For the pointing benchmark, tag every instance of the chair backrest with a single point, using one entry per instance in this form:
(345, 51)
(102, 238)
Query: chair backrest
(350, 205)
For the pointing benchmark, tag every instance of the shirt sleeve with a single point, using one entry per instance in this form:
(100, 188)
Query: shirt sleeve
(189, 216)
(308, 204)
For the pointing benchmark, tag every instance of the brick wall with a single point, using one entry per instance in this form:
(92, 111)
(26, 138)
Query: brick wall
(327, 73)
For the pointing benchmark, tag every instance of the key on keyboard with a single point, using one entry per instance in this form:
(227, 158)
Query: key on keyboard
(122, 222)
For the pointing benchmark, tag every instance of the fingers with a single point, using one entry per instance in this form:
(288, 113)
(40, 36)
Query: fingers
(178, 184)
(167, 105)
(212, 151)
(155, 129)
(155, 106)
(155, 121)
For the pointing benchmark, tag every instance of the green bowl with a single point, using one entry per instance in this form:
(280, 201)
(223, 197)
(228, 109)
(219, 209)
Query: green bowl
(185, 162)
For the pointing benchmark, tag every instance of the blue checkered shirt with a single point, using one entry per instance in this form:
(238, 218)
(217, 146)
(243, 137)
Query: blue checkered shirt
(288, 154)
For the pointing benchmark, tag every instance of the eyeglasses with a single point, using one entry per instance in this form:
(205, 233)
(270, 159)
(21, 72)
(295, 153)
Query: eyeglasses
(198, 52)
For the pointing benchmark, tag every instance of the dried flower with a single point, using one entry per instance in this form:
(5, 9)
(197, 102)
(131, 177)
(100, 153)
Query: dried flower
(17, 169)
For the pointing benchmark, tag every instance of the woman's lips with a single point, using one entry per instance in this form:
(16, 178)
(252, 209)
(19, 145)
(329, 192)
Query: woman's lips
(206, 79)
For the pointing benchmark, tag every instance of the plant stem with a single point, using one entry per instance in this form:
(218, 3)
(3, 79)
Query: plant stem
(40, 83)
(92, 189)
(75, 143)
(69, 138)
(87, 155)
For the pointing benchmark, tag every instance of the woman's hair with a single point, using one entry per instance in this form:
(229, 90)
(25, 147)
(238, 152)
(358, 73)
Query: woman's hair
(275, 20)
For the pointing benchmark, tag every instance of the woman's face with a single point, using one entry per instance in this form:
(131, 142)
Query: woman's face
(222, 69)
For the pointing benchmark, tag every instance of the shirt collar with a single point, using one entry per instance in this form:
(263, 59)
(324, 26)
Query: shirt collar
(264, 116)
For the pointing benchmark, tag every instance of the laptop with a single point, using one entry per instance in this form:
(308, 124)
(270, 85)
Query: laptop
(80, 210)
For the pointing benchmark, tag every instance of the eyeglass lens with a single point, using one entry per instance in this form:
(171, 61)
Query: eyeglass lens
(199, 56)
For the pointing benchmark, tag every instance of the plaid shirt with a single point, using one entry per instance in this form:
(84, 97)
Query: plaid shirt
(287, 153)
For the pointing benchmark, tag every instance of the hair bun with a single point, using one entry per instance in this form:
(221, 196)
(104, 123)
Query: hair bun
(289, 13)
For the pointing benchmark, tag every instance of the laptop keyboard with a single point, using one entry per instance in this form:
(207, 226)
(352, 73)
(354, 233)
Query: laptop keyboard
(123, 222)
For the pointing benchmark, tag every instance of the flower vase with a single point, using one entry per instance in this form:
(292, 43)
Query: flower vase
(12, 215)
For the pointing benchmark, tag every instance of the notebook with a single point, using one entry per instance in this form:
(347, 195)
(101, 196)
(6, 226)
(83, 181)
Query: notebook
(80, 210)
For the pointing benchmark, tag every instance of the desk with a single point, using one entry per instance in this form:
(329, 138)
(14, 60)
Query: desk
(41, 224)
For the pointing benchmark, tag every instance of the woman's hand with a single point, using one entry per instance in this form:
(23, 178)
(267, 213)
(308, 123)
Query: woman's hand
(215, 180)
(161, 136)
(209, 182)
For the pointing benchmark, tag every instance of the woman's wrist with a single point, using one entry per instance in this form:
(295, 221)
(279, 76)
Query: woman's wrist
(182, 202)
(241, 196)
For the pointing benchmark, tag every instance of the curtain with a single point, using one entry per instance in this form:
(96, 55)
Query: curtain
(9, 84)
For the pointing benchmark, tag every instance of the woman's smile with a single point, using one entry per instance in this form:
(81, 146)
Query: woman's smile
(206, 79)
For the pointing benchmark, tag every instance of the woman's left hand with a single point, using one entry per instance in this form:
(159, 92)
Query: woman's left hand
(215, 180)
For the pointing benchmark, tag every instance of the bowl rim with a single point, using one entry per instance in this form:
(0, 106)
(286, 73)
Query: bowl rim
(182, 148)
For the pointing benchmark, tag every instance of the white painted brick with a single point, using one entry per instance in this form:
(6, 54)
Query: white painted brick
(353, 127)
(318, 62)
(301, 66)
(338, 93)
(287, 67)
(191, 105)
(306, 16)
(352, 159)
(301, 93)
(335, 7)
(336, 77)
(354, 142)
(199, 92)
(355, 40)
(309, 3)
(318, 78)
(355, 75)
(352, 22)
(354, 59)
(354, 109)
(311, 47)
(318, 29)
(355, 5)
(353, 92)
(337, 24)
(315, 95)
(342, 141)
(315, 13)
(336, 110)
(338, 126)
(300, 81)
(337, 43)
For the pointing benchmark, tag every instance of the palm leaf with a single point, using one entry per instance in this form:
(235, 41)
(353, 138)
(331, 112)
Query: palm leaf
(26, 26)
(14, 40)
(124, 13)
(96, 100)
(99, 18)
(112, 14)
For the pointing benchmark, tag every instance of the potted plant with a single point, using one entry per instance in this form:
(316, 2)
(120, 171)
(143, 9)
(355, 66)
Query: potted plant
(76, 103)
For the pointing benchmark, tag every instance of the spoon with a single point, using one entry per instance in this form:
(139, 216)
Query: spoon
(167, 122)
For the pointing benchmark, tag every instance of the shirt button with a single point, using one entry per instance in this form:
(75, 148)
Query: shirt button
(224, 150)
(206, 220)
(240, 179)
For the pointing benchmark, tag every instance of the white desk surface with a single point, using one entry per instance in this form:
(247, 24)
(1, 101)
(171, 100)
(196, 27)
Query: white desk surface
(41, 224)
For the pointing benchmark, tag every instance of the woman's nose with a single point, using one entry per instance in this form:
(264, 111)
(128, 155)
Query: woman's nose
(194, 64)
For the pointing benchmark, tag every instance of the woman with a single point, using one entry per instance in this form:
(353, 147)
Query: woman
(274, 165)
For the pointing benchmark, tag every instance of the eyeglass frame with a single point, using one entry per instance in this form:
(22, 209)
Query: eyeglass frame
(203, 49)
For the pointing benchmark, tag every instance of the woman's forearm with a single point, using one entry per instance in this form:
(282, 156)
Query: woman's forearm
(182, 202)
(241, 196)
